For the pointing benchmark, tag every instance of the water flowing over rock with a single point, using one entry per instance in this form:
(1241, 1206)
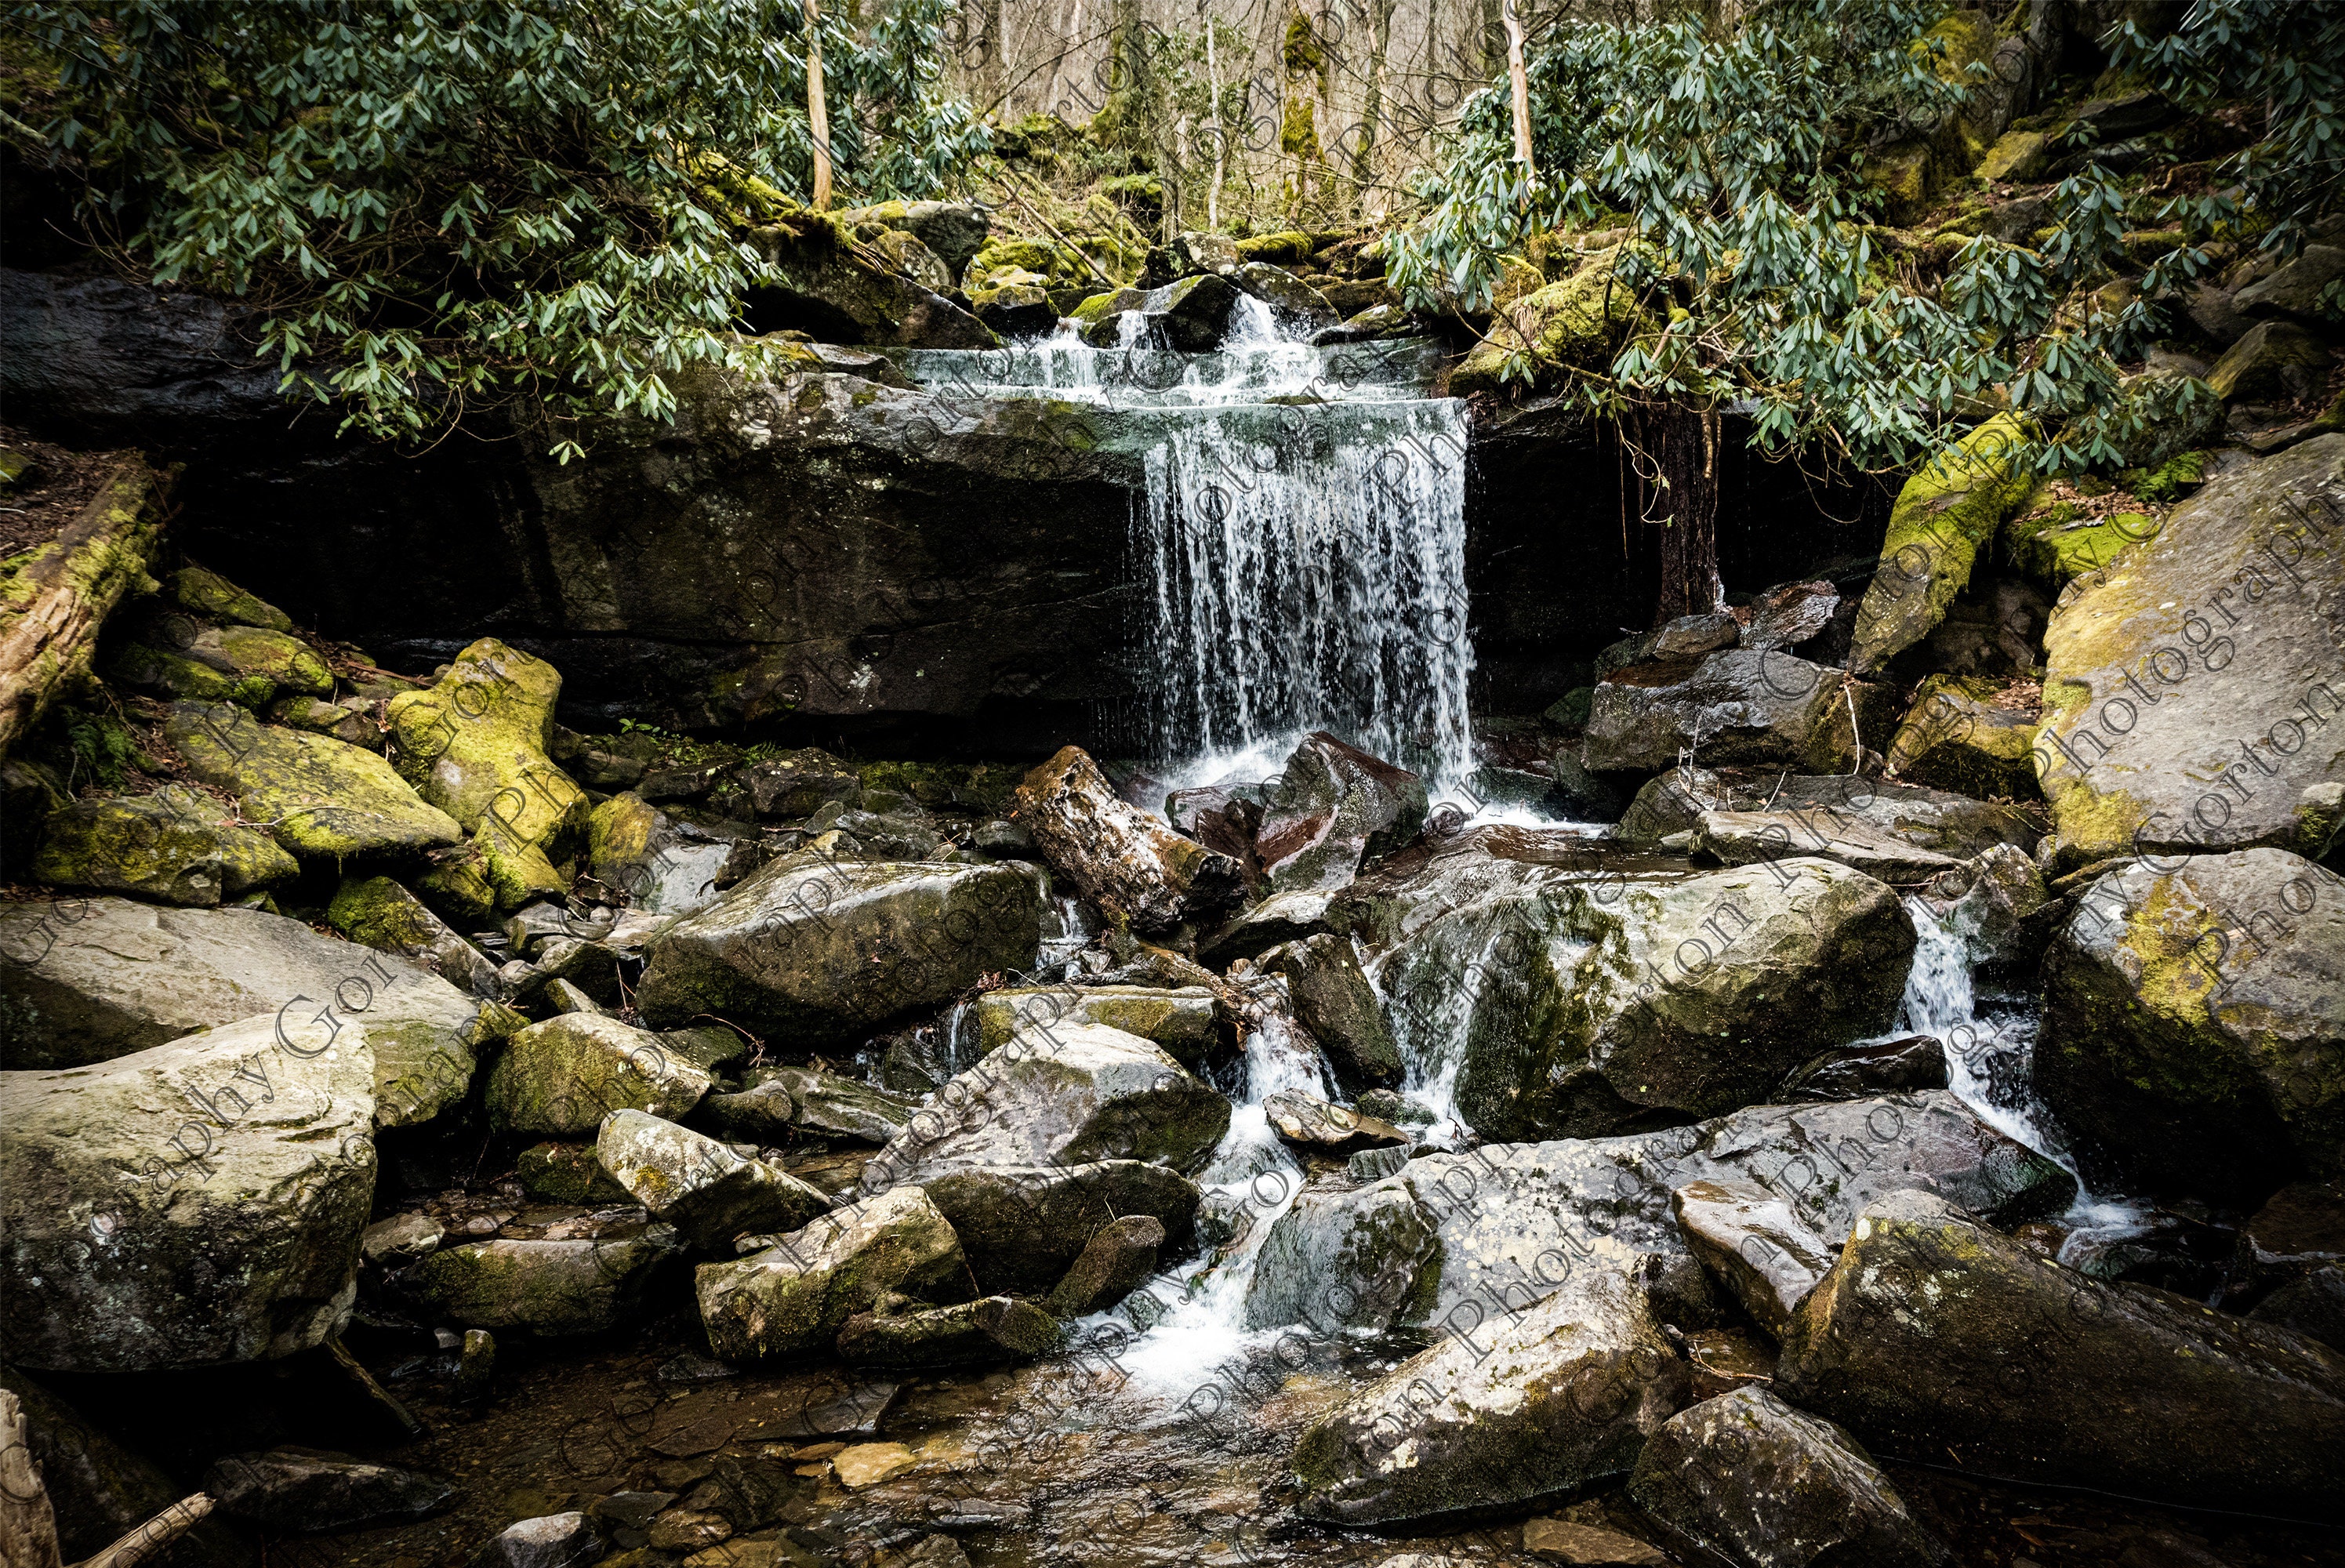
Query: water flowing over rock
(1123, 860)
(2195, 1024)
(1334, 810)
(1564, 1394)
(1336, 1005)
(1934, 1333)
(794, 1295)
(187, 1205)
(2190, 695)
(789, 951)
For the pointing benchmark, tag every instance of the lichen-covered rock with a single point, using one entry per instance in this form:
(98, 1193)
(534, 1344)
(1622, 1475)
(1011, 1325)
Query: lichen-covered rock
(1956, 738)
(1190, 315)
(1943, 518)
(794, 1297)
(2194, 1037)
(376, 912)
(1561, 1395)
(1334, 810)
(103, 978)
(348, 721)
(1183, 1019)
(1737, 705)
(247, 653)
(955, 230)
(706, 1191)
(1746, 1476)
(1115, 1263)
(475, 744)
(1336, 1005)
(1448, 1236)
(560, 1078)
(2190, 700)
(1934, 1333)
(328, 801)
(813, 952)
(1119, 857)
(1024, 1226)
(1754, 1245)
(210, 594)
(175, 846)
(584, 1285)
(988, 1331)
(187, 1205)
(1583, 321)
(1583, 992)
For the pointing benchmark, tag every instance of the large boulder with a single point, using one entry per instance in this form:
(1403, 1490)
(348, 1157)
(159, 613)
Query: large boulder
(2189, 693)
(825, 283)
(709, 1193)
(793, 1297)
(2272, 362)
(1581, 992)
(1025, 1226)
(1121, 859)
(1753, 1244)
(475, 744)
(1339, 1009)
(1334, 810)
(953, 230)
(1956, 737)
(1932, 819)
(1934, 1334)
(1190, 315)
(560, 1078)
(175, 846)
(1184, 1020)
(2194, 1037)
(574, 1285)
(1581, 321)
(188, 1205)
(1763, 1485)
(90, 980)
(1564, 1394)
(1451, 1238)
(328, 801)
(813, 952)
(1945, 514)
(1737, 705)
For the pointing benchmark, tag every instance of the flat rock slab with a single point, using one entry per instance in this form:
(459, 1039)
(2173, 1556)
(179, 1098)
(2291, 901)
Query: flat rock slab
(1748, 837)
(551, 1288)
(824, 1102)
(989, 1331)
(1587, 1546)
(1332, 1129)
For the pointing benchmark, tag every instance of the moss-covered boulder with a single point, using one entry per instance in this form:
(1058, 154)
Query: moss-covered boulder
(1183, 1021)
(660, 863)
(1932, 1333)
(286, 663)
(2053, 545)
(706, 1191)
(377, 912)
(188, 1205)
(167, 672)
(824, 284)
(813, 952)
(1015, 303)
(1943, 518)
(989, 1332)
(1954, 736)
(560, 1078)
(1582, 321)
(327, 801)
(213, 597)
(1957, 825)
(475, 744)
(2194, 1037)
(1547, 1399)
(346, 720)
(2016, 155)
(1191, 316)
(2190, 700)
(792, 1298)
(581, 1286)
(175, 846)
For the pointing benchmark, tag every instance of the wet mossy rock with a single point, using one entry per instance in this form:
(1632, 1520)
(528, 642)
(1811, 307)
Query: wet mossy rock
(2191, 700)
(551, 1287)
(1956, 738)
(165, 673)
(1582, 322)
(376, 912)
(261, 1161)
(2054, 550)
(1183, 1021)
(286, 663)
(792, 1298)
(2194, 1038)
(326, 800)
(209, 594)
(833, 289)
(175, 846)
(560, 1078)
(1191, 315)
(1943, 517)
(475, 744)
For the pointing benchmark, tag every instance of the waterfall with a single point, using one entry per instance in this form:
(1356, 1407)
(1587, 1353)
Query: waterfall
(1298, 542)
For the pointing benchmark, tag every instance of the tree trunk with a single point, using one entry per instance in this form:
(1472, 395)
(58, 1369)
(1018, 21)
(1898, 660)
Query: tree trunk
(1679, 494)
(817, 112)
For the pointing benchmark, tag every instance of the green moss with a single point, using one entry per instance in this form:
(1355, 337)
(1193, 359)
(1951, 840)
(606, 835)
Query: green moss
(212, 595)
(1943, 516)
(174, 674)
(285, 662)
(1580, 321)
(1299, 51)
(328, 800)
(175, 846)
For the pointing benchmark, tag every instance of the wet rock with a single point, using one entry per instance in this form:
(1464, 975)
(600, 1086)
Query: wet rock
(1331, 1129)
(1015, 303)
(1563, 1394)
(1944, 515)
(1115, 1263)
(1182, 1020)
(2175, 731)
(328, 801)
(1284, 917)
(1753, 1244)
(1190, 315)
(794, 1297)
(826, 1103)
(989, 1332)
(1025, 1226)
(401, 1240)
(1736, 706)
(1334, 810)
(1224, 818)
(1590, 991)
(1934, 1333)
(554, 1540)
(1586, 1545)
(790, 952)
(1375, 1164)
(376, 912)
(560, 1078)
(1758, 837)
(1915, 1062)
(1455, 1240)
(709, 1193)
(190, 1204)
(800, 784)
(476, 1366)
(208, 594)
(761, 1115)
(175, 846)
(566, 1173)
(661, 864)
(1763, 1485)
(1300, 308)
(869, 1464)
(1998, 903)
(1077, 1094)
(2194, 1033)
(1789, 614)
(1121, 859)
(1337, 1006)
(1724, 1359)
(575, 1286)
(2313, 1306)
(309, 1489)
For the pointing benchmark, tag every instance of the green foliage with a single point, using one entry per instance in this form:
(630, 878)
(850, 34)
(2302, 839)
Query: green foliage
(439, 203)
(101, 744)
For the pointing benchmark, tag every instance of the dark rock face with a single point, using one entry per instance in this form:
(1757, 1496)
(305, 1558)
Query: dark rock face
(1337, 1006)
(1335, 810)
(1916, 1062)
(303, 1489)
(1116, 1262)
